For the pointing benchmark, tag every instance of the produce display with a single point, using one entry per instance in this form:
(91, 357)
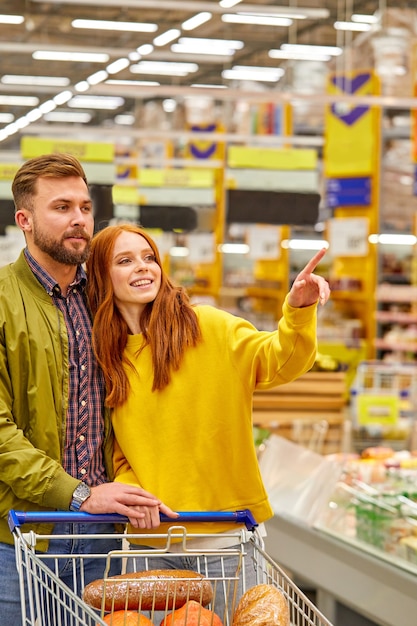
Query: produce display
(376, 501)
(156, 590)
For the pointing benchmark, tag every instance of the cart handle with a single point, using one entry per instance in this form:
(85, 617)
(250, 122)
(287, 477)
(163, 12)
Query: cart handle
(18, 518)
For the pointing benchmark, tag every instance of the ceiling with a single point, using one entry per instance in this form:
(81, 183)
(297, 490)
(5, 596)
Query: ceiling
(167, 106)
(48, 26)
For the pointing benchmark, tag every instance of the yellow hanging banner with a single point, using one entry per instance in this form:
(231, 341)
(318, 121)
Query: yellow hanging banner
(83, 150)
(351, 130)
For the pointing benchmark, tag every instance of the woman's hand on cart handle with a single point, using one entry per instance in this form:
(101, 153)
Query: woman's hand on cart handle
(139, 506)
(309, 288)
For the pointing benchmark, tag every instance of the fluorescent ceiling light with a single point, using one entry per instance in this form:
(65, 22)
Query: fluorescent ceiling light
(196, 20)
(179, 251)
(20, 101)
(96, 102)
(294, 47)
(81, 57)
(34, 115)
(352, 26)
(135, 27)
(11, 19)
(227, 4)
(196, 43)
(63, 97)
(393, 239)
(262, 74)
(258, 20)
(304, 244)
(167, 37)
(164, 68)
(234, 248)
(125, 119)
(298, 56)
(82, 86)
(117, 66)
(205, 86)
(133, 83)
(97, 77)
(47, 106)
(145, 49)
(368, 19)
(6, 118)
(75, 117)
(221, 55)
(44, 81)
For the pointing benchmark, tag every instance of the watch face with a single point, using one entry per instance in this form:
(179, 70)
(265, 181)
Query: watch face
(82, 491)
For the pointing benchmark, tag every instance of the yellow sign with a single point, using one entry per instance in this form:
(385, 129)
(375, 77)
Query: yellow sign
(378, 410)
(84, 151)
(351, 130)
(125, 195)
(8, 170)
(272, 158)
(191, 178)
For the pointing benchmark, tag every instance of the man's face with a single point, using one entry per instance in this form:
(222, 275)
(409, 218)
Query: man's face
(61, 223)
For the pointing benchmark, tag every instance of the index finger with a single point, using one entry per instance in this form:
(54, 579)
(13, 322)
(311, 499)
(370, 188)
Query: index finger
(312, 264)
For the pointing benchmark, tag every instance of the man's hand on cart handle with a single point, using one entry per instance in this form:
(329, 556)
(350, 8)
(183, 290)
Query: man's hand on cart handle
(141, 507)
(309, 288)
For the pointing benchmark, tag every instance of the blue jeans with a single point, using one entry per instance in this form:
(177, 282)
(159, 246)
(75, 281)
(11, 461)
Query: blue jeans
(93, 568)
(221, 570)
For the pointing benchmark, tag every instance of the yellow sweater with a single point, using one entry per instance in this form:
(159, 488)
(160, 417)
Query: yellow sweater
(191, 444)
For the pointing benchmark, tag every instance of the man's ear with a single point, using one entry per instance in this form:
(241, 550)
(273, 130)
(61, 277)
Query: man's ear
(23, 219)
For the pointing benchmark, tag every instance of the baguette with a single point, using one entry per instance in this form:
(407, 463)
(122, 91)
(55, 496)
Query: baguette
(156, 590)
(262, 605)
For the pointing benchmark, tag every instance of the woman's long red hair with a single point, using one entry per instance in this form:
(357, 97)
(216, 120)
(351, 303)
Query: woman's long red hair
(169, 324)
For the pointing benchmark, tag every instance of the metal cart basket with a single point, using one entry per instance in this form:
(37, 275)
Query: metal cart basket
(47, 601)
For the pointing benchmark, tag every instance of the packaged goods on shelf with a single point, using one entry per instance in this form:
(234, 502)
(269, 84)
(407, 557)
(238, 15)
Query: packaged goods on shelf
(383, 403)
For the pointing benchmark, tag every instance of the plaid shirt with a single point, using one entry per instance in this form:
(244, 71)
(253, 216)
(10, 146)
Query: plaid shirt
(83, 456)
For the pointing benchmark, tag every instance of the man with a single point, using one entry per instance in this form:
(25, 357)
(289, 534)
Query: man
(55, 440)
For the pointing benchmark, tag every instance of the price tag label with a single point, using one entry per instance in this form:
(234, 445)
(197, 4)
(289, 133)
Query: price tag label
(349, 236)
(264, 242)
(201, 247)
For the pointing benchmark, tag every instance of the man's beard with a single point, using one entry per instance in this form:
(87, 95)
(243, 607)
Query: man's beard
(56, 249)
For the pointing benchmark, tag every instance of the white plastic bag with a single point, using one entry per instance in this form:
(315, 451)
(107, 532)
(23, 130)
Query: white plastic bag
(299, 482)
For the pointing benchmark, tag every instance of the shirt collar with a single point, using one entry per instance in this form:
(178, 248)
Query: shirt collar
(46, 280)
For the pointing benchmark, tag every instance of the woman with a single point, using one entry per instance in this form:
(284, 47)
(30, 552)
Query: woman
(180, 378)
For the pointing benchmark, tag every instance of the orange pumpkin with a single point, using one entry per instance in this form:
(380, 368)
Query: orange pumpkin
(192, 614)
(127, 618)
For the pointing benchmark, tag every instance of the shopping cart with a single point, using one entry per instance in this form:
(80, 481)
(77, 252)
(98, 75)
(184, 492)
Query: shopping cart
(47, 601)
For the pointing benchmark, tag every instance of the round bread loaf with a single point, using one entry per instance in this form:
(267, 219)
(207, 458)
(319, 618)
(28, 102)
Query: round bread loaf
(156, 590)
(262, 605)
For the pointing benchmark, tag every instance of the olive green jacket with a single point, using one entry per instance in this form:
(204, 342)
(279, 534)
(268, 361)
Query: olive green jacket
(34, 381)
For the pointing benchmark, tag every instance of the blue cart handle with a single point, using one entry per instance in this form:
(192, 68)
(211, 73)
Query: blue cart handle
(18, 518)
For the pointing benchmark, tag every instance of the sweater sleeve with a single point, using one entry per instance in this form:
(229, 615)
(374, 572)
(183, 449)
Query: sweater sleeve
(268, 359)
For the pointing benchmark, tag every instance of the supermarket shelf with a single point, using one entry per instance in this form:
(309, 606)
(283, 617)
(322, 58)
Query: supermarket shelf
(396, 346)
(396, 293)
(351, 575)
(395, 318)
(350, 295)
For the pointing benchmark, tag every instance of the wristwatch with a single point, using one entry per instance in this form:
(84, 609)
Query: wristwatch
(80, 495)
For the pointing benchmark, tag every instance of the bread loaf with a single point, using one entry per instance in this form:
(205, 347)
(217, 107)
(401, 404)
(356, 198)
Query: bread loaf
(154, 589)
(262, 605)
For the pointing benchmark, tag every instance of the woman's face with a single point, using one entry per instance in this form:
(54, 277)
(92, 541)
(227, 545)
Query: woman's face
(134, 272)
